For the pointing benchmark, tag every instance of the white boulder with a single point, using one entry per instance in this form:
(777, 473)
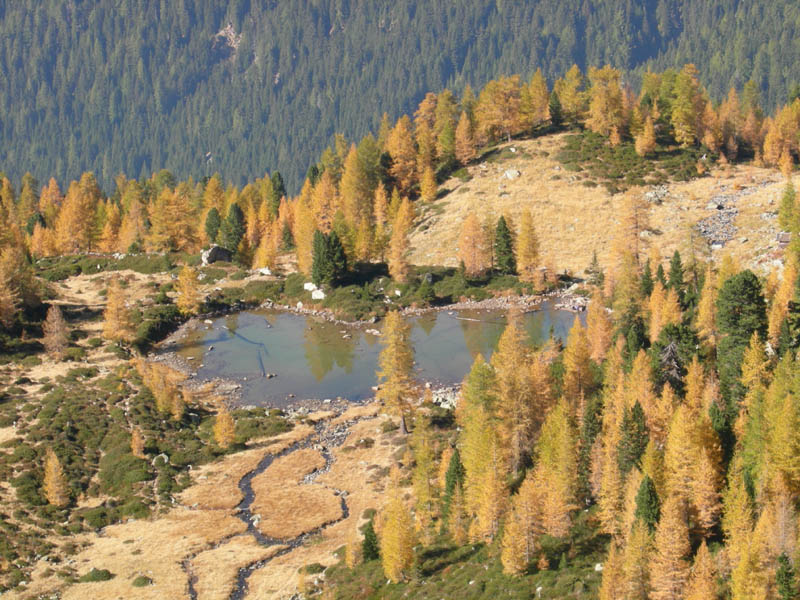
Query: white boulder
(309, 287)
(318, 295)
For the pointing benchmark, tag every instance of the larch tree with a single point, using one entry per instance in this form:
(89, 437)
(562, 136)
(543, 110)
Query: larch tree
(401, 147)
(599, 328)
(56, 333)
(224, 427)
(612, 584)
(75, 222)
(428, 188)
(527, 249)
(303, 231)
(535, 101)
(56, 489)
(512, 554)
(9, 301)
(395, 363)
(397, 534)
(669, 566)
(117, 321)
(189, 299)
(424, 475)
(498, 109)
(578, 376)
(645, 142)
(556, 470)
(515, 413)
(472, 250)
(687, 106)
(605, 101)
(493, 495)
(702, 582)
(706, 310)
(399, 269)
(137, 443)
(465, 143)
(571, 96)
(636, 562)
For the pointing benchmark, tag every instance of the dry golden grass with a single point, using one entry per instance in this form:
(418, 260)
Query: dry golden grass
(357, 412)
(573, 221)
(353, 471)
(7, 434)
(217, 484)
(216, 569)
(288, 469)
(153, 548)
(291, 510)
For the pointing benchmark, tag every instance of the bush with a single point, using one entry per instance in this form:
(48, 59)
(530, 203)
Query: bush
(96, 575)
(293, 287)
(142, 581)
(74, 354)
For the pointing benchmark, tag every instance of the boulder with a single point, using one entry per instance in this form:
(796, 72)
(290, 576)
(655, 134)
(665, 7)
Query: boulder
(309, 287)
(216, 254)
(511, 174)
(265, 271)
(318, 295)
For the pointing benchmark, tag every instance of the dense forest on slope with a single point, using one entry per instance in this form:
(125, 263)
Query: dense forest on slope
(243, 88)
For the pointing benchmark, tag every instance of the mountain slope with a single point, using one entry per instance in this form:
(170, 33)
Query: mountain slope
(242, 88)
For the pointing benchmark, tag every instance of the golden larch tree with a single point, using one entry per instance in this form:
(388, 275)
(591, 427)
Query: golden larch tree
(577, 364)
(473, 250)
(224, 427)
(399, 269)
(513, 547)
(428, 188)
(465, 143)
(527, 249)
(645, 142)
(395, 364)
(137, 443)
(56, 489)
(493, 497)
(117, 321)
(498, 109)
(612, 584)
(535, 101)
(56, 333)
(707, 310)
(636, 562)
(599, 328)
(304, 227)
(605, 101)
(397, 533)
(189, 299)
(424, 475)
(702, 582)
(401, 147)
(569, 90)
(669, 566)
(512, 375)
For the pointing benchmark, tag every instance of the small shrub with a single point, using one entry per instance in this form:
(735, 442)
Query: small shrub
(142, 581)
(96, 575)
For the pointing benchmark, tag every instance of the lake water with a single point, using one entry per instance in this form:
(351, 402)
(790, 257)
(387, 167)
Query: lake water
(316, 359)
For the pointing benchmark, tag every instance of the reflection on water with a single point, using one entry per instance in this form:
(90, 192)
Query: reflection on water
(316, 359)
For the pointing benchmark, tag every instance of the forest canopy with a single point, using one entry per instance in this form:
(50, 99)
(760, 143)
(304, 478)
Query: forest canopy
(244, 88)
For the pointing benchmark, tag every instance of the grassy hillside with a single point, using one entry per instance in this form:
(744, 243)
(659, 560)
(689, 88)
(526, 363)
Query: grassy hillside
(568, 195)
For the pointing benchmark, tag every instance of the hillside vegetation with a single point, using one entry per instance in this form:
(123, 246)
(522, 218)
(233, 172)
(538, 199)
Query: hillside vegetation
(248, 87)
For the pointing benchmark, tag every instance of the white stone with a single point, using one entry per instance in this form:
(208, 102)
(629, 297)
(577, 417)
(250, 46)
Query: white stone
(318, 295)
(397, 292)
(265, 271)
(299, 305)
(511, 174)
(309, 287)
(598, 567)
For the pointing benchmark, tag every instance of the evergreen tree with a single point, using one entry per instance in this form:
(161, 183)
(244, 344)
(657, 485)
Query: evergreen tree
(370, 548)
(785, 579)
(504, 248)
(277, 192)
(594, 272)
(647, 280)
(233, 228)
(556, 115)
(633, 440)
(676, 274)
(648, 505)
(454, 478)
(213, 222)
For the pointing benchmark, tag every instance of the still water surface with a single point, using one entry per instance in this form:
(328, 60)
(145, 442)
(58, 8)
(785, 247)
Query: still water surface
(316, 359)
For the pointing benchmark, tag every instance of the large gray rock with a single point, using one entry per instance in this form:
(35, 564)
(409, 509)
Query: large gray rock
(216, 254)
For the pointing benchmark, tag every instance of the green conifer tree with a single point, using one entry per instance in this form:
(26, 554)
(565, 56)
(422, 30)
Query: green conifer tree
(504, 248)
(648, 505)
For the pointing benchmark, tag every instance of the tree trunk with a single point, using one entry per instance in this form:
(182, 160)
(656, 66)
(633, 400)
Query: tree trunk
(403, 427)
